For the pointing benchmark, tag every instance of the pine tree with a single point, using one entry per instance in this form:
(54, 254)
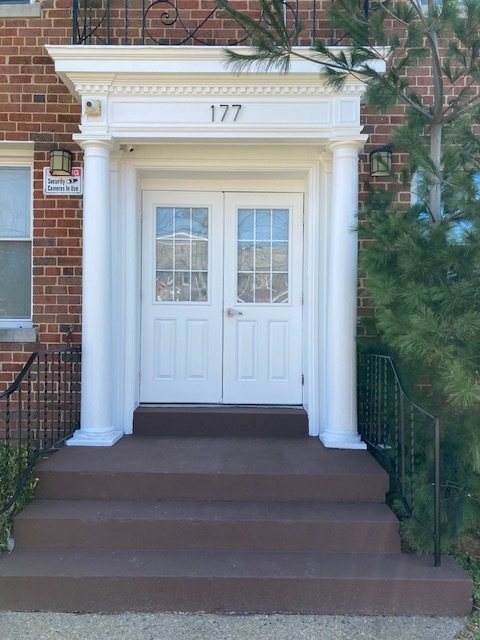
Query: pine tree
(421, 263)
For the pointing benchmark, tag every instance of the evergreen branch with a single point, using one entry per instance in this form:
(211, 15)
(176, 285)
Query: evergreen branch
(472, 104)
(394, 15)
(463, 91)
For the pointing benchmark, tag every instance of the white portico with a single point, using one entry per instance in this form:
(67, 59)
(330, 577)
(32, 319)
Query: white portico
(220, 261)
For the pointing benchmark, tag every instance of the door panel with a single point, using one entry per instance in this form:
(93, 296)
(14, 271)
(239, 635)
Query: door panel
(181, 297)
(263, 285)
(222, 298)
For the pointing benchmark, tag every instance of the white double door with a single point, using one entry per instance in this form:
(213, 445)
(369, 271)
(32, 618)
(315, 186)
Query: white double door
(221, 298)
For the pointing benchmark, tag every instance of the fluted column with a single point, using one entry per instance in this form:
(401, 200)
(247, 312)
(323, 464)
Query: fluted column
(341, 364)
(97, 428)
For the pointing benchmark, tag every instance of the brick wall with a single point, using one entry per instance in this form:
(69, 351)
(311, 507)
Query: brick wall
(36, 107)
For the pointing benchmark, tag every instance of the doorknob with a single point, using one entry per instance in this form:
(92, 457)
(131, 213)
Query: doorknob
(231, 313)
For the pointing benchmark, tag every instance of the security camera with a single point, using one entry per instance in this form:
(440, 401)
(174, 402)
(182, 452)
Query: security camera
(93, 107)
(131, 148)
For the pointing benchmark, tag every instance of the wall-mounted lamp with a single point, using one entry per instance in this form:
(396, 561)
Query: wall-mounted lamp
(60, 162)
(381, 161)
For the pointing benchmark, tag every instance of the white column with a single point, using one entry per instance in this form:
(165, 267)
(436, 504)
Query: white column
(341, 363)
(97, 428)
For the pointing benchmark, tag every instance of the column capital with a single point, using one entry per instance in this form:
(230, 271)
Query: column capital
(355, 143)
(87, 141)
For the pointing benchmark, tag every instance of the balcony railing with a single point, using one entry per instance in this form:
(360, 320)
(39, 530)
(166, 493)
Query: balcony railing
(183, 22)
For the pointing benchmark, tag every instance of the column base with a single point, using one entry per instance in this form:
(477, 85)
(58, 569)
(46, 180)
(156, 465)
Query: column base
(336, 440)
(91, 439)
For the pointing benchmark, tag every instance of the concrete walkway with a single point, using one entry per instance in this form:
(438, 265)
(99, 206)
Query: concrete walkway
(164, 626)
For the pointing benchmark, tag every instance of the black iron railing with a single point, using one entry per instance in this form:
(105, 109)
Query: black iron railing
(179, 22)
(404, 437)
(38, 412)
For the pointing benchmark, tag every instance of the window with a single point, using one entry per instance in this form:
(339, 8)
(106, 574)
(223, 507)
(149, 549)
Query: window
(15, 244)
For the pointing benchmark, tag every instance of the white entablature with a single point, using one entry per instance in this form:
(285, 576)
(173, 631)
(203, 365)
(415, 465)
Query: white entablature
(161, 91)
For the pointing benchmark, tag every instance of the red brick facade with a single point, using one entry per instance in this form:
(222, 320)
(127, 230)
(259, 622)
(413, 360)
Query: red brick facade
(37, 107)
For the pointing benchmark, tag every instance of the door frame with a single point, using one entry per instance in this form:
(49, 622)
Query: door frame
(234, 167)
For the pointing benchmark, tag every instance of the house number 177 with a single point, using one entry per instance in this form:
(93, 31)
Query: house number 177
(225, 112)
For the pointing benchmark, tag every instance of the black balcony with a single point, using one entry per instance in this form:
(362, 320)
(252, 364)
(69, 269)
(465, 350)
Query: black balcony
(188, 22)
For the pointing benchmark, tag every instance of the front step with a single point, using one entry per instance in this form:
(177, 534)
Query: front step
(231, 469)
(219, 524)
(261, 526)
(220, 420)
(239, 582)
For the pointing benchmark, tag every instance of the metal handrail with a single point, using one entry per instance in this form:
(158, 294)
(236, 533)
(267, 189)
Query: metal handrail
(402, 434)
(39, 410)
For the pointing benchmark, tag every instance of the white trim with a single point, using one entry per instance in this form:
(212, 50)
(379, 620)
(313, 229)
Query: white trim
(227, 168)
(155, 105)
(13, 149)
(334, 440)
(27, 10)
(146, 93)
(18, 333)
(20, 154)
(86, 60)
(82, 439)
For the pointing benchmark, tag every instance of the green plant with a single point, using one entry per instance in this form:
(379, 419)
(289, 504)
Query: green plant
(13, 462)
(468, 555)
(425, 280)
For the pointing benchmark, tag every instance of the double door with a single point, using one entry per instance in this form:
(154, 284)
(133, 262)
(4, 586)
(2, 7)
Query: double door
(221, 298)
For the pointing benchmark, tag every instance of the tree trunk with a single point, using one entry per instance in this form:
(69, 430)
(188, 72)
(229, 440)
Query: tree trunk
(436, 158)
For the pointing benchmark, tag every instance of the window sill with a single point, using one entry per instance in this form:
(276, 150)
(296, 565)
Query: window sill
(20, 10)
(18, 335)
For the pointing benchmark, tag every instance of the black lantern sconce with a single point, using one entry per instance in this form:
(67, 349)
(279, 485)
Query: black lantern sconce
(60, 162)
(381, 162)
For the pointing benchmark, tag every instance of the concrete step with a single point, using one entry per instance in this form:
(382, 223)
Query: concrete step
(262, 526)
(227, 581)
(219, 524)
(220, 420)
(213, 469)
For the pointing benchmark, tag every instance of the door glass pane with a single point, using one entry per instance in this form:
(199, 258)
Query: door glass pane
(262, 255)
(246, 224)
(245, 288)
(182, 254)
(15, 283)
(280, 256)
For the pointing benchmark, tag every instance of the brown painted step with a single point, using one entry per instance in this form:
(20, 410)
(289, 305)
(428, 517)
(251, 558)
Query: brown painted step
(224, 468)
(225, 581)
(280, 526)
(220, 420)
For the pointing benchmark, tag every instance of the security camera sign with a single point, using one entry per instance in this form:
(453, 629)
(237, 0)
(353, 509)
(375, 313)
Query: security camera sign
(63, 185)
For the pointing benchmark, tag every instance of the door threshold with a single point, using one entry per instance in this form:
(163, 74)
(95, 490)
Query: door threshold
(212, 405)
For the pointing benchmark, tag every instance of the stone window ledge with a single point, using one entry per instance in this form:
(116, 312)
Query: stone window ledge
(18, 335)
(20, 10)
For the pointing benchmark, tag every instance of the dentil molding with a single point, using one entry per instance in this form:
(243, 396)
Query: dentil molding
(273, 89)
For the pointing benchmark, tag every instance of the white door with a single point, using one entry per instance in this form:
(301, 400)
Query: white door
(221, 298)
